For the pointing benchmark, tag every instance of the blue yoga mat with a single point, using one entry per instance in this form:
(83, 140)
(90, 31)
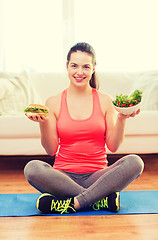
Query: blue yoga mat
(132, 202)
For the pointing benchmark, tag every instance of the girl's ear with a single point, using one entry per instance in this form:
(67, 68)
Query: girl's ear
(93, 70)
(67, 65)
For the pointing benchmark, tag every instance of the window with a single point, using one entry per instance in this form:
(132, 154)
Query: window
(123, 32)
(37, 34)
(32, 35)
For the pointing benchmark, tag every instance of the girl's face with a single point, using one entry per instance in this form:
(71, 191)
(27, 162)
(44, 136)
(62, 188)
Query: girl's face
(80, 68)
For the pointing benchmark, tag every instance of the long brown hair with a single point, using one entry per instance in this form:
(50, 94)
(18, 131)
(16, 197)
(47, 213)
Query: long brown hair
(85, 47)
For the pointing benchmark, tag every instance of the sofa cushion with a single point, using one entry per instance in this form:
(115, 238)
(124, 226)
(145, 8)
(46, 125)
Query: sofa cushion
(148, 83)
(116, 83)
(143, 124)
(49, 84)
(21, 127)
(18, 127)
(16, 92)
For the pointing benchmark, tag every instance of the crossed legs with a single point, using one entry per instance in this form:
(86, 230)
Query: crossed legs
(85, 188)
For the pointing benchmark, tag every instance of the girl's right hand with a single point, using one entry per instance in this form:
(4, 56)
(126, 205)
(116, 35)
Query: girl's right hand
(37, 118)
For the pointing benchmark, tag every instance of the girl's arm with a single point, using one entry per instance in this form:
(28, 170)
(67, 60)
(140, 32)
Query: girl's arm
(49, 136)
(115, 126)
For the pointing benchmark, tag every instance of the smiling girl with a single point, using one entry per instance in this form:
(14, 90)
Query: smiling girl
(81, 122)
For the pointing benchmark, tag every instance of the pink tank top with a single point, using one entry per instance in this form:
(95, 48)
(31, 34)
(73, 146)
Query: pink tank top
(81, 142)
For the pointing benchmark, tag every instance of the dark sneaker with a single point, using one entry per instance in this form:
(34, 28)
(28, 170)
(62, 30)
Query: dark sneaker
(110, 203)
(47, 203)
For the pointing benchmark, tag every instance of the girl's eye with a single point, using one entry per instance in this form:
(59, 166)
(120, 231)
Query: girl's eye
(73, 66)
(86, 66)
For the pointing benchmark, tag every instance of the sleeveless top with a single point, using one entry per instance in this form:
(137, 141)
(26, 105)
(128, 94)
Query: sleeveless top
(81, 142)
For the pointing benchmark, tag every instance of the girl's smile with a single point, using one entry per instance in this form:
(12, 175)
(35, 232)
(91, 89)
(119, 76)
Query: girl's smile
(79, 79)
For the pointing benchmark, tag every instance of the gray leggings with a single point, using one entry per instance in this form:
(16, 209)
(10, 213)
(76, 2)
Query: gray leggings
(87, 188)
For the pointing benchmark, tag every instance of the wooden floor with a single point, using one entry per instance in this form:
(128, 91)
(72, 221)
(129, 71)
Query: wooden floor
(131, 227)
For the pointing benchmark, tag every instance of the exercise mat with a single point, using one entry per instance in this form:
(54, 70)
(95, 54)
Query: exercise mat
(131, 202)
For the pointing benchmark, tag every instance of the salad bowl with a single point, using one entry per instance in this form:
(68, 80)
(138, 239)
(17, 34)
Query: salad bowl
(127, 110)
(128, 104)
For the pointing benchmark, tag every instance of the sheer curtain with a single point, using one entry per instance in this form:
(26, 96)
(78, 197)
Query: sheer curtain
(32, 32)
(123, 32)
(36, 34)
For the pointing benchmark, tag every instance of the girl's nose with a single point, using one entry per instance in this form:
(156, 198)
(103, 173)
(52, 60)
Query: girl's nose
(80, 71)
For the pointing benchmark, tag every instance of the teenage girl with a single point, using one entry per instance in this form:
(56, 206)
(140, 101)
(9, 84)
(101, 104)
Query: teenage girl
(80, 123)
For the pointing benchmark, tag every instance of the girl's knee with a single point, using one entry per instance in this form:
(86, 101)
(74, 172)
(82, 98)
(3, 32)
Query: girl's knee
(136, 162)
(30, 170)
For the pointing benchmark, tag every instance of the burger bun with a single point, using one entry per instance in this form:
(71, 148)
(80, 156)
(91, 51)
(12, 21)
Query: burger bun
(31, 114)
(40, 113)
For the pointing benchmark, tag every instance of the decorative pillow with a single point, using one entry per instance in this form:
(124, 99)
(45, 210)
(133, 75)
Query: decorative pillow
(148, 83)
(16, 92)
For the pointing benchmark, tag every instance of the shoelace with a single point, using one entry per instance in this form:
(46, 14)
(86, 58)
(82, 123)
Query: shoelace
(117, 202)
(103, 203)
(61, 206)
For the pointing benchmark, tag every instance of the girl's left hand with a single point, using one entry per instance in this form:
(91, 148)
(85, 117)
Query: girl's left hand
(122, 116)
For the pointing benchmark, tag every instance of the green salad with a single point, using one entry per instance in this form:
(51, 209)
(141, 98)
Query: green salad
(128, 101)
(35, 109)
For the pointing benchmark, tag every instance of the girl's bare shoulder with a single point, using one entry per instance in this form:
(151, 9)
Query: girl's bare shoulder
(53, 99)
(53, 103)
(104, 97)
(105, 102)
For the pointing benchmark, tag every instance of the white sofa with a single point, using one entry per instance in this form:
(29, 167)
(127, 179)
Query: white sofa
(20, 136)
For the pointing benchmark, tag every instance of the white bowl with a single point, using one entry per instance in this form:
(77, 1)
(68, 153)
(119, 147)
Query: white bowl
(127, 110)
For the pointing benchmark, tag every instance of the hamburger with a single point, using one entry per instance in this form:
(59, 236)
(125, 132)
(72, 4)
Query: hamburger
(36, 109)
